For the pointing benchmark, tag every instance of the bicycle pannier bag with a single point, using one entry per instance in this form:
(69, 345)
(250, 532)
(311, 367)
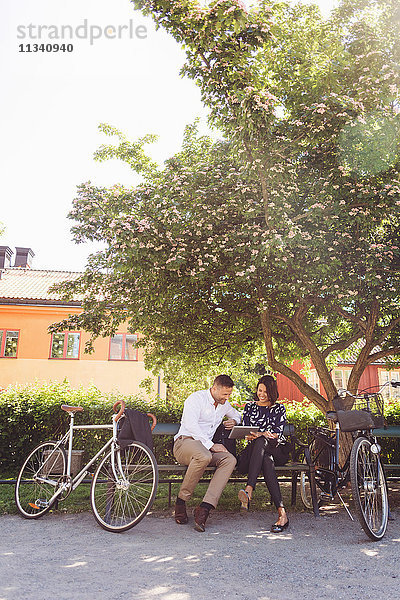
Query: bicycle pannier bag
(352, 420)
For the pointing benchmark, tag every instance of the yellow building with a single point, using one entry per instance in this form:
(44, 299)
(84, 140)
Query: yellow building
(29, 353)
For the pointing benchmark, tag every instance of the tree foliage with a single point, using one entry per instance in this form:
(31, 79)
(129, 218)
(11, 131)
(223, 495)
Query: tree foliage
(287, 231)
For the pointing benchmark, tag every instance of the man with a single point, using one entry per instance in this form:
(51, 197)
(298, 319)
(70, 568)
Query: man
(202, 414)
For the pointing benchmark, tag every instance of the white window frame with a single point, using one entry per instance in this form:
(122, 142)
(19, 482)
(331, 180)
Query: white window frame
(344, 376)
(313, 380)
(389, 391)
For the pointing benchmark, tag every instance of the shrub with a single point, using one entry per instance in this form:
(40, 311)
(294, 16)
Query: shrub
(391, 446)
(30, 414)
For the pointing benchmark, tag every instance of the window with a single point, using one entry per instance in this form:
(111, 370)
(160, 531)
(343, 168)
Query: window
(8, 343)
(389, 391)
(65, 345)
(341, 378)
(313, 380)
(123, 347)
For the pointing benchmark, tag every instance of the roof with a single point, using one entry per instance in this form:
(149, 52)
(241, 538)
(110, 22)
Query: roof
(350, 357)
(30, 286)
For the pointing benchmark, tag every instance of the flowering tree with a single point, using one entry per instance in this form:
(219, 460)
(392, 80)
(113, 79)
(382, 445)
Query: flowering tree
(287, 231)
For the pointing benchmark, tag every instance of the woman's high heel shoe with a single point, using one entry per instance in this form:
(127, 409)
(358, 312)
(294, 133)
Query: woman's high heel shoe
(276, 528)
(244, 499)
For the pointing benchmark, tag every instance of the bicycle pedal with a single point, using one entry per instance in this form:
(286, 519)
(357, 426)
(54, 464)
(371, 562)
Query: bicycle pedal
(39, 503)
(325, 496)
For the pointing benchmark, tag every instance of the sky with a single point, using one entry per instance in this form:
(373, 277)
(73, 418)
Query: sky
(52, 103)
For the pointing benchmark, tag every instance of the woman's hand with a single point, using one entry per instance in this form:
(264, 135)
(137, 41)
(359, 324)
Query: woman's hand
(270, 436)
(253, 435)
(256, 434)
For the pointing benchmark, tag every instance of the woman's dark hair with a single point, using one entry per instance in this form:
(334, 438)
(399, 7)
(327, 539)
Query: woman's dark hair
(272, 388)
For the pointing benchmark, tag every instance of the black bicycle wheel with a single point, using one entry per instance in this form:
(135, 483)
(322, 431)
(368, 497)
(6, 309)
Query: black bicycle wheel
(322, 480)
(119, 503)
(38, 480)
(369, 489)
(305, 488)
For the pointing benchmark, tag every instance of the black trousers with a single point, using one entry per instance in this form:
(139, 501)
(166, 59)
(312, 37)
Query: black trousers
(262, 455)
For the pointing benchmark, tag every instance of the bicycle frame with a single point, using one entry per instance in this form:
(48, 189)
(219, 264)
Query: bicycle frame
(339, 476)
(72, 483)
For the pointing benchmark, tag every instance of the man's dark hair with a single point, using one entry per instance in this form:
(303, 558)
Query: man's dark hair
(272, 388)
(223, 381)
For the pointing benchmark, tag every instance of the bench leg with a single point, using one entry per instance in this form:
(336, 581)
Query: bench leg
(313, 489)
(294, 488)
(169, 494)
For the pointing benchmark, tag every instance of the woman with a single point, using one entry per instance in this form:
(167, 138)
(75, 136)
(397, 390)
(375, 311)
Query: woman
(267, 447)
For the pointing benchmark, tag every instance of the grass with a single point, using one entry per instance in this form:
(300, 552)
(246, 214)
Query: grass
(79, 500)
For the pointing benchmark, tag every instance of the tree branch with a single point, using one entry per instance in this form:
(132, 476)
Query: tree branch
(382, 353)
(349, 317)
(386, 332)
(341, 345)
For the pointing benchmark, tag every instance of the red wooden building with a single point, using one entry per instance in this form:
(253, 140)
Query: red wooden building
(374, 375)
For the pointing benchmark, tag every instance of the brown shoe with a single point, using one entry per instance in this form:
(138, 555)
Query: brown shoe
(180, 514)
(200, 518)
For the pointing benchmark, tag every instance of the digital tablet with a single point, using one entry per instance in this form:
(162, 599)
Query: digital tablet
(240, 431)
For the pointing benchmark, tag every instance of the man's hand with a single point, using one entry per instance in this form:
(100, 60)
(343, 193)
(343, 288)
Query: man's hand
(218, 448)
(229, 423)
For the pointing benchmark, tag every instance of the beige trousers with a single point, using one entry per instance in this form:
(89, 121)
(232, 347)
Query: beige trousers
(188, 451)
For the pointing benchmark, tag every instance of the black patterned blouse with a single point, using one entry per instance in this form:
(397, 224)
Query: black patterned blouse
(268, 418)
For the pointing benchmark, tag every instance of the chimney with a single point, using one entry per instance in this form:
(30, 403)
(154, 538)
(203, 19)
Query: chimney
(23, 257)
(5, 257)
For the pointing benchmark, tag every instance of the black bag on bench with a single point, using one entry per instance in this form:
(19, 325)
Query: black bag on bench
(221, 437)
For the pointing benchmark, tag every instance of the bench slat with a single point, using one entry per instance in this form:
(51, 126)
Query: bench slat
(166, 429)
(173, 428)
(391, 431)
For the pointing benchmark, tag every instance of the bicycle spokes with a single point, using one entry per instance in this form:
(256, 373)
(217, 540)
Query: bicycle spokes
(369, 489)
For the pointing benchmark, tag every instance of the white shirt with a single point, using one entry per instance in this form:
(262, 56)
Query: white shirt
(200, 418)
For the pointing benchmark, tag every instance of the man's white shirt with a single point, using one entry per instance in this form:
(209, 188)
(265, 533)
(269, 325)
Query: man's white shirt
(200, 418)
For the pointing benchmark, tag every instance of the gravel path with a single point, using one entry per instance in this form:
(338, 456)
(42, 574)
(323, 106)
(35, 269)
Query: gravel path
(68, 557)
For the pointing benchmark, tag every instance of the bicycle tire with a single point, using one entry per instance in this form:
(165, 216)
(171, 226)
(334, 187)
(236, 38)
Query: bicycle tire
(369, 489)
(305, 488)
(119, 505)
(32, 496)
(324, 478)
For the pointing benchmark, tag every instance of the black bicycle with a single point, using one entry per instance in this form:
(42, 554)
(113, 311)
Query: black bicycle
(358, 414)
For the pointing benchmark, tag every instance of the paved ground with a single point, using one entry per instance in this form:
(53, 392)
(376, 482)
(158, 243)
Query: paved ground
(68, 557)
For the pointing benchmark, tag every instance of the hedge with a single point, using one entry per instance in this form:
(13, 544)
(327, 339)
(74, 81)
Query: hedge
(30, 414)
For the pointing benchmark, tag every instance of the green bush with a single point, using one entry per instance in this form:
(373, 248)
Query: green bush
(391, 446)
(30, 414)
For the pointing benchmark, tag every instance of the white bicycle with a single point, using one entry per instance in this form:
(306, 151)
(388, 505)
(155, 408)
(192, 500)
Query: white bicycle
(124, 483)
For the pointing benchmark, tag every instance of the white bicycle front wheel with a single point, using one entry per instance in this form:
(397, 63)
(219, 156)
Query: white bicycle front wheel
(122, 498)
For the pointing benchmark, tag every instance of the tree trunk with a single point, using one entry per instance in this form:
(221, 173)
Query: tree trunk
(319, 401)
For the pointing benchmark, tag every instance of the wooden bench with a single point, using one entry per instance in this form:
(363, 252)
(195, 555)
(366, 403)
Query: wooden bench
(290, 471)
(391, 431)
